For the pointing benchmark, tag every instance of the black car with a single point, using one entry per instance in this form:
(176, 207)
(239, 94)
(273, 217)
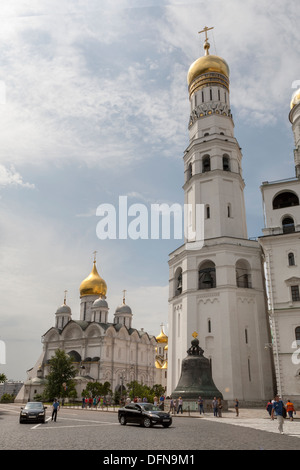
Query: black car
(33, 411)
(144, 414)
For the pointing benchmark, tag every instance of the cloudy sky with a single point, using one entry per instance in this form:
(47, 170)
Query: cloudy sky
(93, 106)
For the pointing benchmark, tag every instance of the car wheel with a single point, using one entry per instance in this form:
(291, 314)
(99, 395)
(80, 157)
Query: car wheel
(122, 420)
(147, 423)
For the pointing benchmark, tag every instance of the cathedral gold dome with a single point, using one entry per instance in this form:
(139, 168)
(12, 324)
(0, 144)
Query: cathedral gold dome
(93, 284)
(295, 98)
(162, 338)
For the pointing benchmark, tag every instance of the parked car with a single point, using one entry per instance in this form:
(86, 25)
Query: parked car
(33, 411)
(145, 414)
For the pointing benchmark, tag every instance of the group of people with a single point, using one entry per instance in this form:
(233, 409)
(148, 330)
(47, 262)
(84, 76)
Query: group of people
(176, 405)
(276, 408)
(94, 402)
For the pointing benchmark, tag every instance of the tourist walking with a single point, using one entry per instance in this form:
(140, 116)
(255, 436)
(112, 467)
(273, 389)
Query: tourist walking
(269, 407)
(180, 402)
(236, 407)
(200, 405)
(220, 406)
(172, 406)
(290, 409)
(279, 411)
(215, 406)
(55, 408)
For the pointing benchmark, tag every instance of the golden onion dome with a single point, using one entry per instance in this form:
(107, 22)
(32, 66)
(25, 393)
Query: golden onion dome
(208, 70)
(162, 338)
(206, 64)
(295, 98)
(93, 284)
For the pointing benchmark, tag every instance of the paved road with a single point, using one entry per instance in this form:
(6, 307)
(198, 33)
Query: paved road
(99, 430)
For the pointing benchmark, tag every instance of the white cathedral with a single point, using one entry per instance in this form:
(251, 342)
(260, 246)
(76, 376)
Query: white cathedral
(218, 292)
(102, 351)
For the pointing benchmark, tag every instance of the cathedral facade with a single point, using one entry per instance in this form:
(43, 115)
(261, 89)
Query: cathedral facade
(217, 290)
(101, 351)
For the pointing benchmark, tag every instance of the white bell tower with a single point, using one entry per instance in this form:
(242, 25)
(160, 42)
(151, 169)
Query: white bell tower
(218, 291)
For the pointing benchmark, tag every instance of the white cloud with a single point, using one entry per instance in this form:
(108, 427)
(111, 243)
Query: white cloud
(10, 177)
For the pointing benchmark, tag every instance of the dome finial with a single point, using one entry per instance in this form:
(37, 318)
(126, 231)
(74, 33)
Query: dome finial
(206, 43)
(124, 296)
(65, 297)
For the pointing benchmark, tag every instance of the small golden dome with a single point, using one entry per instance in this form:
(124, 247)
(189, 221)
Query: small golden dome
(162, 338)
(93, 284)
(295, 98)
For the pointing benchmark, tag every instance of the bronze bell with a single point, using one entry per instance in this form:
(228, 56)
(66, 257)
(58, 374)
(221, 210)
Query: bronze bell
(196, 377)
(207, 279)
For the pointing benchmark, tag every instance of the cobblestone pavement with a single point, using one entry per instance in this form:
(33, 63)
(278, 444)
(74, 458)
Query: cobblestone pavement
(250, 418)
(90, 429)
(258, 419)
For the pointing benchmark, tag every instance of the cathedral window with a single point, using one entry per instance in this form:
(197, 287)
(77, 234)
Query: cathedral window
(219, 97)
(209, 326)
(291, 259)
(206, 164)
(288, 225)
(228, 210)
(210, 94)
(295, 293)
(207, 208)
(202, 96)
(285, 199)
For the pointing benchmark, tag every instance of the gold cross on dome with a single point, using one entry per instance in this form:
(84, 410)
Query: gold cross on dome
(124, 296)
(65, 297)
(195, 334)
(94, 253)
(205, 31)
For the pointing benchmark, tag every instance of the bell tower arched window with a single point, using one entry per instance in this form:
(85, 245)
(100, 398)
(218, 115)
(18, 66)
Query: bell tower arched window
(288, 225)
(207, 275)
(226, 163)
(178, 282)
(285, 199)
(243, 274)
(206, 164)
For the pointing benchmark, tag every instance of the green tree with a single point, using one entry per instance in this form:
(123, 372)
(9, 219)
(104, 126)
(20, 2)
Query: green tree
(97, 389)
(3, 378)
(60, 381)
(158, 390)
